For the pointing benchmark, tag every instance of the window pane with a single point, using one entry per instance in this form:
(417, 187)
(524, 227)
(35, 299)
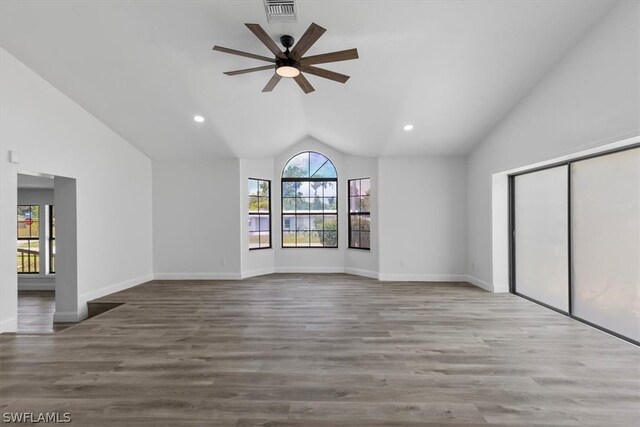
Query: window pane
(264, 240)
(302, 238)
(365, 240)
(316, 204)
(28, 259)
(289, 204)
(365, 222)
(302, 222)
(354, 187)
(330, 238)
(264, 223)
(315, 238)
(263, 204)
(253, 223)
(263, 188)
(354, 204)
(365, 187)
(302, 189)
(288, 189)
(317, 161)
(354, 222)
(329, 189)
(253, 204)
(355, 239)
(330, 204)
(364, 204)
(297, 167)
(254, 240)
(316, 188)
(331, 222)
(253, 187)
(302, 204)
(316, 222)
(326, 171)
(289, 223)
(289, 238)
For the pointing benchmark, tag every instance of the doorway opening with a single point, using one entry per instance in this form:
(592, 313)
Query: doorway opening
(43, 290)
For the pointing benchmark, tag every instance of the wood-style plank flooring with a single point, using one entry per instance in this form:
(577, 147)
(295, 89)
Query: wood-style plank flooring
(35, 313)
(322, 350)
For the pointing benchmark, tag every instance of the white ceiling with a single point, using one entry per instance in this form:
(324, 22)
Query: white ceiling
(451, 68)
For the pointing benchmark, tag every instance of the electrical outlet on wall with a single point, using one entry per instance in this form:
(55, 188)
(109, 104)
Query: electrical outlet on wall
(402, 263)
(223, 261)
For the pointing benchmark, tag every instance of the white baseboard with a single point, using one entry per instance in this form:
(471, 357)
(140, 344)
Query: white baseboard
(422, 277)
(257, 272)
(88, 296)
(364, 273)
(309, 269)
(9, 325)
(197, 276)
(480, 283)
(36, 286)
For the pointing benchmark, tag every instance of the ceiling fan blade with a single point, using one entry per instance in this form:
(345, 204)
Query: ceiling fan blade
(272, 83)
(321, 72)
(266, 40)
(307, 40)
(241, 53)
(248, 70)
(303, 83)
(343, 55)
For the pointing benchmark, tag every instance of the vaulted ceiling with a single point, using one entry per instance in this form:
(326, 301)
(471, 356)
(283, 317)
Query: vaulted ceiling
(453, 69)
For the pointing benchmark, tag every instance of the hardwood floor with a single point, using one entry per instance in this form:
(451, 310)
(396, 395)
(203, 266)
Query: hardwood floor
(35, 313)
(322, 350)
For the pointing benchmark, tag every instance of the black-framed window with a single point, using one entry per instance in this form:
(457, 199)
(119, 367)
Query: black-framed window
(259, 213)
(360, 213)
(309, 202)
(28, 257)
(52, 239)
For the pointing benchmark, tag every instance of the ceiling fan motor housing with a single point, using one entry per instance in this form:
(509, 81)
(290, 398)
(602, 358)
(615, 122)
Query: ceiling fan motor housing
(287, 41)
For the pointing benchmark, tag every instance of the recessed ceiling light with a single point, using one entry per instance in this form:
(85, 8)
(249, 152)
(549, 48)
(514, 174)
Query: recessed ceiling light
(198, 119)
(408, 127)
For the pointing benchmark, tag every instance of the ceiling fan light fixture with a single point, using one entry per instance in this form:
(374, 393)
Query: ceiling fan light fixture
(287, 67)
(287, 71)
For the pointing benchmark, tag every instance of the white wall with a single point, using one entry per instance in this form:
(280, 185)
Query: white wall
(422, 204)
(55, 136)
(591, 97)
(258, 261)
(196, 219)
(200, 218)
(41, 281)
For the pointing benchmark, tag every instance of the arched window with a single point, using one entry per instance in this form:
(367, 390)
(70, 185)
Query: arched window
(309, 202)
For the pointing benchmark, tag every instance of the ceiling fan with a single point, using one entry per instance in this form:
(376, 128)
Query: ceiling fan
(292, 63)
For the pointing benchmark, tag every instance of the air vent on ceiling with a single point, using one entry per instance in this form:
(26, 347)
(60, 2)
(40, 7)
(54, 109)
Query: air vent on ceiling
(281, 10)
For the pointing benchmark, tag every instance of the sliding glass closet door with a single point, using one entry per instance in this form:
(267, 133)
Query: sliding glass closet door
(541, 243)
(605, 218)
(575, 243)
